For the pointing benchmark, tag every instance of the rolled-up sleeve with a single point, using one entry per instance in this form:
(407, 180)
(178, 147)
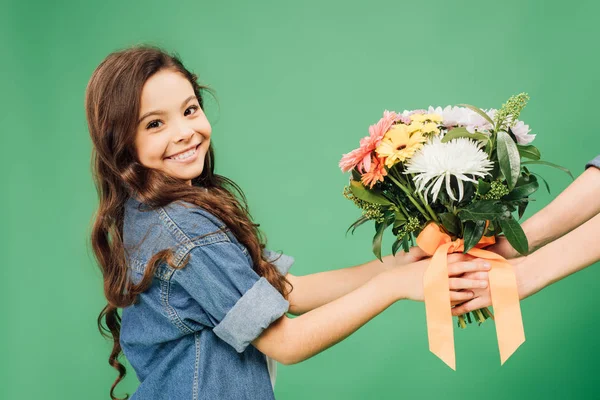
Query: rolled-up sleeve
(282, 262)
(229, 296)
(594, 163)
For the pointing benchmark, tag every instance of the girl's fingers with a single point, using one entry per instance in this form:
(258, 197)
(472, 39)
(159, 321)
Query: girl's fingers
(461, 296)
(459, 268)
(416, 253)
(462, 283)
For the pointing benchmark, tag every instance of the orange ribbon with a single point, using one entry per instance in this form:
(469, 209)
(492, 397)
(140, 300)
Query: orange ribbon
(503, 290)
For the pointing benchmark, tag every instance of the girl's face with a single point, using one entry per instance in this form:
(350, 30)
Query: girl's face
(173, 133)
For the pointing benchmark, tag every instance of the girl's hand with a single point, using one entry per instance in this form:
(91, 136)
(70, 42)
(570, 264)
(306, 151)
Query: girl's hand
(414, 254)
(482, 297)
(461, 288)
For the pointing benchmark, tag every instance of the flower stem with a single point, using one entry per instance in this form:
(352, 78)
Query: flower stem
(486, 311)
(428, 207)
(479, 316)
(408, 194)
(403, 210)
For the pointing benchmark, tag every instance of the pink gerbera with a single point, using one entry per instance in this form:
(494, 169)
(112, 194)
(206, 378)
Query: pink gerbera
(375, 173)
(361, 157)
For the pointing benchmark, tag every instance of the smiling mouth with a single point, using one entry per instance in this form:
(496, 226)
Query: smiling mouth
(185, 154)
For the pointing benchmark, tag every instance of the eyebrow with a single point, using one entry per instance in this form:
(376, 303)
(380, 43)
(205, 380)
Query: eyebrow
(162, 112)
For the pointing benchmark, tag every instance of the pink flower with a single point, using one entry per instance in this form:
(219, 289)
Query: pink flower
(376, 172)
(361, 157)
(521, 132)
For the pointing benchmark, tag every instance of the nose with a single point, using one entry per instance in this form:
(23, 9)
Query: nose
(185, 133)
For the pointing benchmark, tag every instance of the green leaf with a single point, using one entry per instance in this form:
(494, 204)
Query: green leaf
(473, 233)
(522, 207)
(405, 243)
(515, 235)
(450, 222)
(483, 187)
(463, 133)
(482, 210)
(523, 191)
(399, 217)
(551, 165)
(529, 151)
(367, 195)
(543, 180)
(524, 178)
(491, 229)
(396, 246)
(478, 111)
(357, 223)
(509, 159)
(380, 228)
(398, 223)
(356, 175)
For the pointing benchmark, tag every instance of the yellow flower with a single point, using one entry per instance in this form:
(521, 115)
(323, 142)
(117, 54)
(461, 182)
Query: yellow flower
(426, 117)
(430, 127)
(415, 126)
(434, 118)
(399, 144)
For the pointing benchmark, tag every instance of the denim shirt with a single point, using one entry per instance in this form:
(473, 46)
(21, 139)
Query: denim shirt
(189, 334)
(593, 163)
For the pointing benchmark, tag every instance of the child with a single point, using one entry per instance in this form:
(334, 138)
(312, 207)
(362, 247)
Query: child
(203, 300)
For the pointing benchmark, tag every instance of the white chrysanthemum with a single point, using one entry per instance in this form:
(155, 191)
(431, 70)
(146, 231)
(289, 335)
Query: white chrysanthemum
(451, 116)
(436, 162)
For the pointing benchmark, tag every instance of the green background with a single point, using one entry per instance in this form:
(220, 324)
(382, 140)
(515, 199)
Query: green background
(298, 84)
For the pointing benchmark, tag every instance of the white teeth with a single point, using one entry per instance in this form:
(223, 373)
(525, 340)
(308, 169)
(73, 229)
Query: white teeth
(185, 155)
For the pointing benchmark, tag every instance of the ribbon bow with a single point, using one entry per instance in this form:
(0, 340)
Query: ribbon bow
(503, 290)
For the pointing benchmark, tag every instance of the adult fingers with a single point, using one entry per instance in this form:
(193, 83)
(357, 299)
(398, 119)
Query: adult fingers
(459, 268)
(481, 275)
(462, 283)
(461, 296)
(471, 305)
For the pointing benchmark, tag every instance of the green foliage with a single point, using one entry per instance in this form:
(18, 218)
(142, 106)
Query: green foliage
(509, 159)
(510, 111)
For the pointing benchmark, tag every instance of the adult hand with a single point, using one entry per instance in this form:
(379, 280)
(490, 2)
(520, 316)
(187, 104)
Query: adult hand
(482, 297)
(462, 286)
(504, 248)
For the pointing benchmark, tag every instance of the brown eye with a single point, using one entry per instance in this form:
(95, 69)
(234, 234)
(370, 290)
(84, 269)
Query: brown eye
(192, 107)
(152, 124)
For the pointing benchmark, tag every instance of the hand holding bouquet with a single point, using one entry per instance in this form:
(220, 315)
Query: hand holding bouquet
(450, 180)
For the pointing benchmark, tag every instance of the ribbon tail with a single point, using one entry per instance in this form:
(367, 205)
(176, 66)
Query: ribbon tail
(438, 307)
(505, 300)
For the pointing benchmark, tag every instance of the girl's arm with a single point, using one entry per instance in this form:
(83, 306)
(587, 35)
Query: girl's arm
(575, 205)
(314, 290)
(290, 341)
(553, 262)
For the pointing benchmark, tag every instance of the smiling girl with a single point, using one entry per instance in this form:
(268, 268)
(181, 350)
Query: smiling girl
(203, 301)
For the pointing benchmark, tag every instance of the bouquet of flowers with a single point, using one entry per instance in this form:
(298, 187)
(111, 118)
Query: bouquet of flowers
(449, 179)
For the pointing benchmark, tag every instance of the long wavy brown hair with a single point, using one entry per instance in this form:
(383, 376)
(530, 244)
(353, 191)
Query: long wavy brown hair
(112, 106)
